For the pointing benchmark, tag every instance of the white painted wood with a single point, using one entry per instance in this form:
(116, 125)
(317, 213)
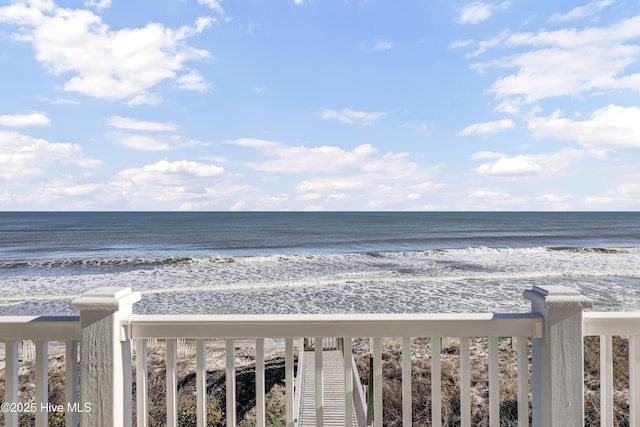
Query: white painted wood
(48, 328)
(231, 382)
(557, 357)
(347, 357)
(42, 382)
(634, 381)
(299, 378)
(319, 382)
(260, 384)
(102, 375)
(336, 325)
(523, 382)
(201, 383)
(494, 383)
(407, 405)
(142, 375)
(71, 381)
(611, 323)
(377, 382)
(288, 381)
(465, 382)
(359, 397)
(127, 382)
(606, 380)
(436, 382)
(333, 387)
(172, 382)
(11, 381)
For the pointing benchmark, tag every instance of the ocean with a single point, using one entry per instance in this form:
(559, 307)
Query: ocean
(333, 262)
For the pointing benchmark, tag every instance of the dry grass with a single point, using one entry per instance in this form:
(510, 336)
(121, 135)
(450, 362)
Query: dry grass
(392, 386)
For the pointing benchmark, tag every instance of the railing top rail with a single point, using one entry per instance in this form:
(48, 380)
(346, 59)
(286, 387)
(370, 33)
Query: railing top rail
(334, 325)
(39, 327)
(611, 323)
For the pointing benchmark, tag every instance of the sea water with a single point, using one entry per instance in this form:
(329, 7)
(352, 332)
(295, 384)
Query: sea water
(331, 262)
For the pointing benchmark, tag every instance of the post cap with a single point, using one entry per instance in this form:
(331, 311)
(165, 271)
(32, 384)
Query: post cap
(106, 299)
(558, 296)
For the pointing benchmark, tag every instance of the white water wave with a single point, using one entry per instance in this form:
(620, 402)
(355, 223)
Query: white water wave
(473, 279)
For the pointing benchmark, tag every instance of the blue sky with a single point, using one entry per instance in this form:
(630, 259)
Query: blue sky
(319, 105)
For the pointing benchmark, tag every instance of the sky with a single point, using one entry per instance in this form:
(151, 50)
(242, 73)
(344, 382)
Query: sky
(217, 105)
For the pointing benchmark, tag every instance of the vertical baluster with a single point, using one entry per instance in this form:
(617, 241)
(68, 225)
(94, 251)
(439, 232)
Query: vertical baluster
(201, 383)
(127, 382)
(260, 385)
(172, 383)
(436, 382)
(142, 384)
(377, 382)
(298, 386)
(465, 383)
(348, 382)
(634, 381)
(231, 383)
(319, 382)
(42, 382)
(289, 391)
(523, 382)
(494, 383)
(407, 407)
(11, 381)
(606, 381)
(71, 381)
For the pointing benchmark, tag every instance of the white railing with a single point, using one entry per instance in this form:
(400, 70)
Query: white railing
(110, 334)
(258, 327)
(42, 330)
(606, 325)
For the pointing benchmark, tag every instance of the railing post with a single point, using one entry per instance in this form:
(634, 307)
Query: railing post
(557, 358)
(105, 360)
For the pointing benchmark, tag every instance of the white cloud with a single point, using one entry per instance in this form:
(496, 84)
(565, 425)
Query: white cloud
(103, 63)
(482, 155)
(256, 143)
(510, 166)
(98, 4)
(287, 159)
(621, 197)
(485, 193)
(554, 198)
(351, 117)
(23, 120)
(135, 124)
(335, 176)
(476, 12)
(611, 127)
(460, 43)
(212, 4)
(487, 128)
(529, 164)
(146, 98)
(379, 45)
(180, 185)
(580, 12)
(564, 62)
(143, 143)
(23, 156)
(164, 172)
(419, 128)
(193, 80)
